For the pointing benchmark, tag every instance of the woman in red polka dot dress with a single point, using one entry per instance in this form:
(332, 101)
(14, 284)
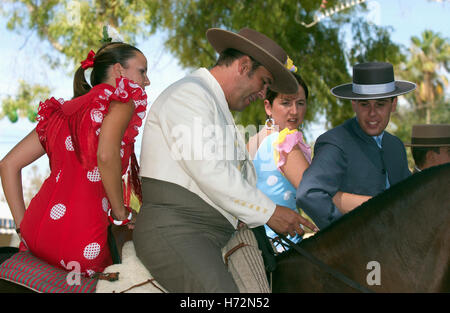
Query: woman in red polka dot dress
(90, 144)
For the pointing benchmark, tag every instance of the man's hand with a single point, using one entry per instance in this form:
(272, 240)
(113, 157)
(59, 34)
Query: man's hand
(286, 221)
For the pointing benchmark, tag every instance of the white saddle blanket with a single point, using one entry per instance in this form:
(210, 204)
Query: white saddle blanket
(244, 262)
(133, 275)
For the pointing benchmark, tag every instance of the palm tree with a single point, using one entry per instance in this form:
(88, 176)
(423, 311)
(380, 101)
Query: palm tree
(430, 55)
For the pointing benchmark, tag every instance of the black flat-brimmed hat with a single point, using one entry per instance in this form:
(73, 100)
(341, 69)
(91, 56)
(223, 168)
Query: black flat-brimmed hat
(262, 49)
(373, 80)
(430, 135)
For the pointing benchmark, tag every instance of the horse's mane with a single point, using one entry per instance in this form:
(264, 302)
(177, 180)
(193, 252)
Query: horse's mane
(381, 208)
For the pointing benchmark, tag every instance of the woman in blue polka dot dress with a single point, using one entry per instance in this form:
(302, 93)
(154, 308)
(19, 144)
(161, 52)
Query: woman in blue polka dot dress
(280, 154)
(278, 142)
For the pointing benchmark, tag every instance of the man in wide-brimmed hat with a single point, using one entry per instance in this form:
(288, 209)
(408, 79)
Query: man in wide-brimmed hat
(430, 145)
(197, 178)
(358, 157)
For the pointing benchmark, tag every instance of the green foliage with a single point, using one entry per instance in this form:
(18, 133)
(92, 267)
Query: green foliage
(429, 103)
(373, 44)
(319, 51)
(73, 27)
(429, 56)
(25, 103)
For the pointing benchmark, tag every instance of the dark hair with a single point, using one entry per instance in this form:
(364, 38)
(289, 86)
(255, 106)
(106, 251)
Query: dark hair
(271, 95)
(108, 55)
(228, 56)
(419, 154)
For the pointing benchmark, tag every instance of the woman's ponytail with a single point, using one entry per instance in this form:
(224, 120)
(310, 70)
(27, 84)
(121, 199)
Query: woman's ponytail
(80, 85)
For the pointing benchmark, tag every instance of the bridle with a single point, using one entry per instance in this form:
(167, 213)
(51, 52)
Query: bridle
(336, 274)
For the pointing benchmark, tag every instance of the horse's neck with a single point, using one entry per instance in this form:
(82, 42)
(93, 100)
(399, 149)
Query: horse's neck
(403, 230)
(386, 230)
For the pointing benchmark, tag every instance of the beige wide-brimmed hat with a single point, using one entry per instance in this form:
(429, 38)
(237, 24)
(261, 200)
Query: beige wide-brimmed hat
(430, 135)
(262, 49)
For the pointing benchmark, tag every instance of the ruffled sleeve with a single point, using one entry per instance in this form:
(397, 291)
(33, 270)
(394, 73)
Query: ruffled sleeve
(140, 101)
(286, 140)
(44, 118)
(125, 91)
(91, 117)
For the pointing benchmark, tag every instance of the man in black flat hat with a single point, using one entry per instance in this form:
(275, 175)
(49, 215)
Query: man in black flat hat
(430, 145)
(198, 180)
(358, 157)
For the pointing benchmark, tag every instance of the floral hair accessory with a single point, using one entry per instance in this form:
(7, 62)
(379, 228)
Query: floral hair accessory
(106, 38)
(290, 65)
(110, 34)
(89, 61)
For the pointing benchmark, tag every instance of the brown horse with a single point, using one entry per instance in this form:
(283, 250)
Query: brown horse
(405, 230)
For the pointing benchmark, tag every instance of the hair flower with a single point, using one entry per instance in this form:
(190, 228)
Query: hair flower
(290, 65)
(110, 34)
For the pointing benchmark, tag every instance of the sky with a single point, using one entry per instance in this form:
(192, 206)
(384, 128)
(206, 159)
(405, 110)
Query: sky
(20, 59)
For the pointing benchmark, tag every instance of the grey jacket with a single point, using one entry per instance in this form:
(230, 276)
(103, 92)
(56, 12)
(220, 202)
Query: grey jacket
(347, 159)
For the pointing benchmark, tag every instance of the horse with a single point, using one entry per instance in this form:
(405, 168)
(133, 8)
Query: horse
(402, 236)
(404, 233)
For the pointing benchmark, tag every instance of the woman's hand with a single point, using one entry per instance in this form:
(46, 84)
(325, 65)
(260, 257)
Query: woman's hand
(124, 214)
(131, 224)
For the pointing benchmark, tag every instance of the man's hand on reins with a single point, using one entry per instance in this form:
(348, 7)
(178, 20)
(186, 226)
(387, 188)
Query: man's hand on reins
(286, 221)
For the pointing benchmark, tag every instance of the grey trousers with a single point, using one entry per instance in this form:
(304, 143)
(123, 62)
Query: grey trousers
(179, 238)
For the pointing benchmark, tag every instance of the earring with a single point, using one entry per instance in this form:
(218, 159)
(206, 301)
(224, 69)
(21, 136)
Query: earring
(301, 127)
(270, 123)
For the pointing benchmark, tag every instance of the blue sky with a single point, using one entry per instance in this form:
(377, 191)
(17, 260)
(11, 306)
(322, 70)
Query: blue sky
(412, 17)
(20, 59)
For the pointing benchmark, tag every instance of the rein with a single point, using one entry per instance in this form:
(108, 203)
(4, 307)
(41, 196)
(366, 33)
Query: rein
(336, 274)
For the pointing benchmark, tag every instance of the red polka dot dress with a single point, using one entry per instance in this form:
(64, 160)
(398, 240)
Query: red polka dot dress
(67, 220)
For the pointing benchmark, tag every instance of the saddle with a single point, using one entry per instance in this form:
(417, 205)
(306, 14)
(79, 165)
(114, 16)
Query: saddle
(23, 272)
(26, 270)
(242, 255)
(248, 255)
